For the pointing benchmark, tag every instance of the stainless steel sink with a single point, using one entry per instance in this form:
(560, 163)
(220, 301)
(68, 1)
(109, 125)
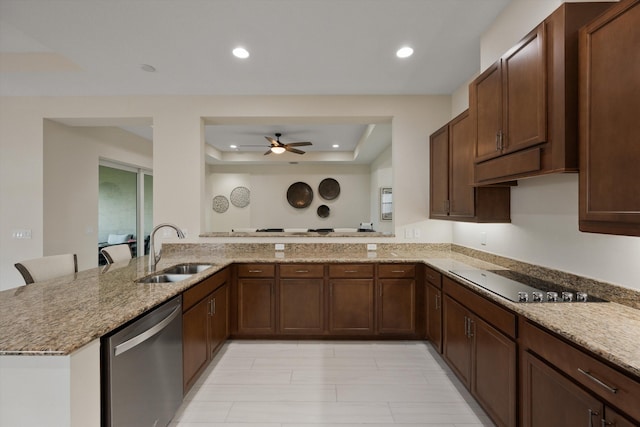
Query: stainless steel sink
(164, 278)
(187, 268)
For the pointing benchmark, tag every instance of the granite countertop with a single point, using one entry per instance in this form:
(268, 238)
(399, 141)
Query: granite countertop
(59, 316)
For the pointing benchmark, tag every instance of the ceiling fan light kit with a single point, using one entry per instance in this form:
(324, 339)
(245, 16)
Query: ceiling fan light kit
(278, 150)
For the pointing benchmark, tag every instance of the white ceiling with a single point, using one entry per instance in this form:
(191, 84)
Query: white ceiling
(311, 47)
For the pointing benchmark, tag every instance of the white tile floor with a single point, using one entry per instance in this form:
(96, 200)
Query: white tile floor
(333, 383)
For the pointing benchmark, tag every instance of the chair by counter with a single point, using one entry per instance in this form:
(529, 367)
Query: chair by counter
(116, 253)
(48, 267)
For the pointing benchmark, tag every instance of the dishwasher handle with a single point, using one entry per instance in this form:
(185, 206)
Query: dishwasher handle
(154, 330)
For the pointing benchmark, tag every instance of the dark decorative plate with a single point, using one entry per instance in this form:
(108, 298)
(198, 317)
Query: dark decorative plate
(299, 195)
(323, 211)
(329, 189)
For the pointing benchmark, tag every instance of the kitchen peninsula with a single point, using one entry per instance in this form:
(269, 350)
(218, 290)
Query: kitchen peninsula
(60, 322)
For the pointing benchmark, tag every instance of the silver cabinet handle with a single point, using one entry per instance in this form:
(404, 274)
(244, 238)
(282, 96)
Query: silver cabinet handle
(351, 271)
(591, 414)
(498, 141)
(302, 271)
(397, 271)
(598, 381)
(154, 330)
(466, 326)
(255, 271)
(213, 306)
(471, 323)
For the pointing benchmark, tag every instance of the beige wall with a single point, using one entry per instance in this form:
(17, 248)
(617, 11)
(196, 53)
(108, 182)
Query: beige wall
(178, 155)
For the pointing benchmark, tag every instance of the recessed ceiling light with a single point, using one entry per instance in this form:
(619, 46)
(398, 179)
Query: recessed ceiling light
(404, 52)
(233, 146)
(335, 146)
(240, 52)
(148, 68)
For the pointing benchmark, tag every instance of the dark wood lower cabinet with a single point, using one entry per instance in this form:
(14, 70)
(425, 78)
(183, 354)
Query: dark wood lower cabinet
(549, 399)
(483, 358)
(494, 374)
(396, 306)
(302, 306)
(256, 306)
(219, 319)
(456, 344)
(195, 354)
(434, 316)
(351, 306)
(204, 324)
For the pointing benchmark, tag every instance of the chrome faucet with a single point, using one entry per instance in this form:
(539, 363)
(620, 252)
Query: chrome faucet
(153, 258)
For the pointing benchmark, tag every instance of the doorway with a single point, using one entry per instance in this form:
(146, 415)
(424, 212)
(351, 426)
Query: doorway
(125, 207)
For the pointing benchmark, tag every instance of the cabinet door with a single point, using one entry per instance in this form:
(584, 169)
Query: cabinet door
(609, 125)
(434, 316)
(456, 347)
(494, 372)
(439, 173)
(461, 192)
(524, 91)
(256, 306)
(485, 105)
(351, 306)
(301, 306)
(397, 306)
(194, 342)
(549, 399)
(219, 323)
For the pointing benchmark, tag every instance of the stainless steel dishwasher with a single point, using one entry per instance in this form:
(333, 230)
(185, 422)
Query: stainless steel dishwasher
(142, 369)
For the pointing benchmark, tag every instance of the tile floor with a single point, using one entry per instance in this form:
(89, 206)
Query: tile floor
(333, 383)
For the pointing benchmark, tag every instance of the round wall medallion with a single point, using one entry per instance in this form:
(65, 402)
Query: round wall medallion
(329, 189)
(220, 204)
(240, 197)
(323, 211)
(299, 195)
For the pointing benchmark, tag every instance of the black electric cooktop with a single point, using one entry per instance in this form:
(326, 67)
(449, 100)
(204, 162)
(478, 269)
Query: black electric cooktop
(520, 287)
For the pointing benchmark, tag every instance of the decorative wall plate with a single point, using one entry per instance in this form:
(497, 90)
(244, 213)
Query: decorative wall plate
(240, 197)
(220, 204)
(299, 195)
(329, 189)
(323, 211)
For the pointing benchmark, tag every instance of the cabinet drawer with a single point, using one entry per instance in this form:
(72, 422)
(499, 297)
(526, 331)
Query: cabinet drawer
(351, 270)
(256, 270)
(606, 382)
(396, 270)
(511, 165)
(301, 270)
(433, 277)
(495, 315)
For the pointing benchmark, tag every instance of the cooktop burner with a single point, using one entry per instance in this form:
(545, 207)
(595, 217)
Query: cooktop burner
(519, 287)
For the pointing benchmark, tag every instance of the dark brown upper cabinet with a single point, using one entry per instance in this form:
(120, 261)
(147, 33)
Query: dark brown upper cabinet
(610, 122)
(452, 194)
(524, 107)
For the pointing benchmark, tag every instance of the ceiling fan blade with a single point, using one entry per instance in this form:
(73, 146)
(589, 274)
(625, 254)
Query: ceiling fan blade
(272, 141)
(298, 144)
(293, 150)
(268, 152)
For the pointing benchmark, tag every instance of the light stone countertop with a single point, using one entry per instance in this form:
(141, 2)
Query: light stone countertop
(59, 316)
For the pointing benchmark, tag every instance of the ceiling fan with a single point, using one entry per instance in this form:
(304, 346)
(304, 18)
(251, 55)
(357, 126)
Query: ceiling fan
(278, 147)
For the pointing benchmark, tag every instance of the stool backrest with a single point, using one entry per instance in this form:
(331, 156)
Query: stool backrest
(116, 253)
(48, 267)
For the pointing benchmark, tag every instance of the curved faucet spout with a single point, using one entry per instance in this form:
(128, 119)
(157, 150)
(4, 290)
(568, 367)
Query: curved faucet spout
(153, 258)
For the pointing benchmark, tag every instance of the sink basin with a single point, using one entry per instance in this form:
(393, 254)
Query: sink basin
(164, 278)
(187, 268)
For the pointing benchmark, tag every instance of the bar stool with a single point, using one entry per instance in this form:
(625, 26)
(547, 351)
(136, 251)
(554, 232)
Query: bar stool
(116, 253)
(48, 267)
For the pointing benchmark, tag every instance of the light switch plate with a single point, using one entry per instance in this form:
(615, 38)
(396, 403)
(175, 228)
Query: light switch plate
(483, 238)
(22, 233)
(279, 246)
(372, 246)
